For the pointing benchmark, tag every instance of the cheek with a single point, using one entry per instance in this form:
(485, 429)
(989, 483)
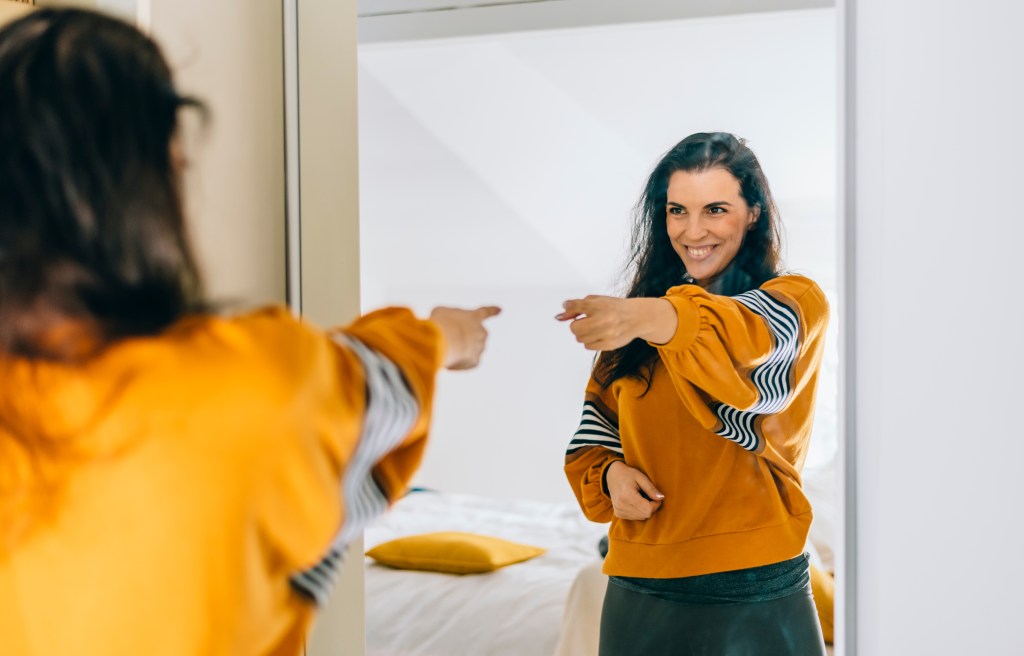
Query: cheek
(673, 228)
(738, 232)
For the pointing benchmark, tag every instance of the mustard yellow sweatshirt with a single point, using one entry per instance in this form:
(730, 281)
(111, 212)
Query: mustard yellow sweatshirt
(191, 493)
(722, 433)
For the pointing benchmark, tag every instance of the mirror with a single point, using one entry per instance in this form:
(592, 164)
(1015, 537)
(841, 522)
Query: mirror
(500, 159)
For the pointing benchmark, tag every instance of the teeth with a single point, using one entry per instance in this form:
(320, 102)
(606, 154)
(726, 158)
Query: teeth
(698, 252)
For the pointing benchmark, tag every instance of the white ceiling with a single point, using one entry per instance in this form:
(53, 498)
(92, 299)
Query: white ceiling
(404, 20)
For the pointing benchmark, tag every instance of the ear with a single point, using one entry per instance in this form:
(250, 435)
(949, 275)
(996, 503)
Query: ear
(755, 213)
(179, 161)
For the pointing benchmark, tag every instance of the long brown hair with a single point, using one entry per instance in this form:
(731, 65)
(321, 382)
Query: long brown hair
(92, 229)
(654, 264)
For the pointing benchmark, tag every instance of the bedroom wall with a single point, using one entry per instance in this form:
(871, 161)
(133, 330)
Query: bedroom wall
(230, 56)
(937, 148)
(503, 168)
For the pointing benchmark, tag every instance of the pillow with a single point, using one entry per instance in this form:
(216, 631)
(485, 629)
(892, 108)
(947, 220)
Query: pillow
(452, 553)
(824, 588)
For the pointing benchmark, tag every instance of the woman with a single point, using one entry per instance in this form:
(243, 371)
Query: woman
(171, 481)
(697, 418)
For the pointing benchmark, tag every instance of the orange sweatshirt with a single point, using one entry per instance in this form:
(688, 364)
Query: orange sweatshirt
(722, 433)
(196, 478)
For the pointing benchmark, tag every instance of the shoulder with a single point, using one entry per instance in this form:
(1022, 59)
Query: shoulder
(270, 321)
(272, 330)
(264, 350)
(801, 294)
(233, 388)
(796, 289)
(793, 286)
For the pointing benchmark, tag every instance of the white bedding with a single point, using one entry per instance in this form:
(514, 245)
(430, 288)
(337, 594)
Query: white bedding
(515, 611)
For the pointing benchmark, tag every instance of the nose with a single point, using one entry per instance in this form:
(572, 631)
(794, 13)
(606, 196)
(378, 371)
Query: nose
(694, 230)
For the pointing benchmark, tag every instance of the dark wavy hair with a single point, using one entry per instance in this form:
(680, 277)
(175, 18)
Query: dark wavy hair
(92, 228)
(654, 264)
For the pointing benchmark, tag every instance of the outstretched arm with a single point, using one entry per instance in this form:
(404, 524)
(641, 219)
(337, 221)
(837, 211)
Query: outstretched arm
(605, 323)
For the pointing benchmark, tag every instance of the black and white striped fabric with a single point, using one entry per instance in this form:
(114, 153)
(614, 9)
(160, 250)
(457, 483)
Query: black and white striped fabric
(595, 430)
(771, 378)
(391, 411)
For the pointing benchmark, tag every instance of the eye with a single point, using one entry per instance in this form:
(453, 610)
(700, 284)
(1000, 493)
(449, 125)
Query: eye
(717, 210)
(676, 210)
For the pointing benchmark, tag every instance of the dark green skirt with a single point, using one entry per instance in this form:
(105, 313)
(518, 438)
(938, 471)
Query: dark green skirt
(763, 611)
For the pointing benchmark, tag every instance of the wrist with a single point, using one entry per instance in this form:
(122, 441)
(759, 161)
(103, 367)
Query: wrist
(451, 333)
(457, 341)
(656, 320)
(604, 476)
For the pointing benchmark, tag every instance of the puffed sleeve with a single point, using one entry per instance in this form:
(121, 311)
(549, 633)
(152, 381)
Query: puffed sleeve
(736, 359)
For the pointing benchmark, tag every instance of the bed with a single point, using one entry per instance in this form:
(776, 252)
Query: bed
(547, 606)
(514, 611)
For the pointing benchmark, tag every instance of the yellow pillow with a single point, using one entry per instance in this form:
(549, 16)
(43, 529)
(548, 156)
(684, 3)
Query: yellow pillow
(452, 553)
(823, 585)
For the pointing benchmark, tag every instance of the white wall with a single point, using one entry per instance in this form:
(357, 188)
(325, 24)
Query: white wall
(229, 54)
(939, 342)
(503, 169)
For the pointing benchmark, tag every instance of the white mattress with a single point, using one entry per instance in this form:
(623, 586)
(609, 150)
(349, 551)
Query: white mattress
(515, 611)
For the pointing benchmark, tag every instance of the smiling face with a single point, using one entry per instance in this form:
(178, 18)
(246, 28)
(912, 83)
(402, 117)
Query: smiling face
(707, 219)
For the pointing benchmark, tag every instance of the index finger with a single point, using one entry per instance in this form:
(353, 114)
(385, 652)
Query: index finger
(487, 311)
(575, 306)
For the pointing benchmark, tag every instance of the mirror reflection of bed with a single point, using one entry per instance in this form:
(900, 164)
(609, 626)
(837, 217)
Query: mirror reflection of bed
(502, 168)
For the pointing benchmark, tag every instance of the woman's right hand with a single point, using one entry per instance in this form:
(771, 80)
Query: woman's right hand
(464, 334)
(633, 494)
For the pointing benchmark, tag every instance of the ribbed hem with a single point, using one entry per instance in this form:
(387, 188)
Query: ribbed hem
(707, 555)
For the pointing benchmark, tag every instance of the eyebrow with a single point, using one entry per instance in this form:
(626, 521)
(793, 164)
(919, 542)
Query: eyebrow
(711, 204)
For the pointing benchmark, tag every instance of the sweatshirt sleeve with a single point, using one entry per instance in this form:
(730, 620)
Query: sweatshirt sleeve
(594, 446)
(353, 438)
(735, 359)
(400, 356)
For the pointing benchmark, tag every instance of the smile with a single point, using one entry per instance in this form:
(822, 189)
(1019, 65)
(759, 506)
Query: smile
(701, 251)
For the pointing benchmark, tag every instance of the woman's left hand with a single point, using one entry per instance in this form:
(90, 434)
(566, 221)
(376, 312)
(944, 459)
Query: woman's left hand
(605, 323)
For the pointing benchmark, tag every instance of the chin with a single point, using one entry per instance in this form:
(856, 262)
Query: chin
(701, 273)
